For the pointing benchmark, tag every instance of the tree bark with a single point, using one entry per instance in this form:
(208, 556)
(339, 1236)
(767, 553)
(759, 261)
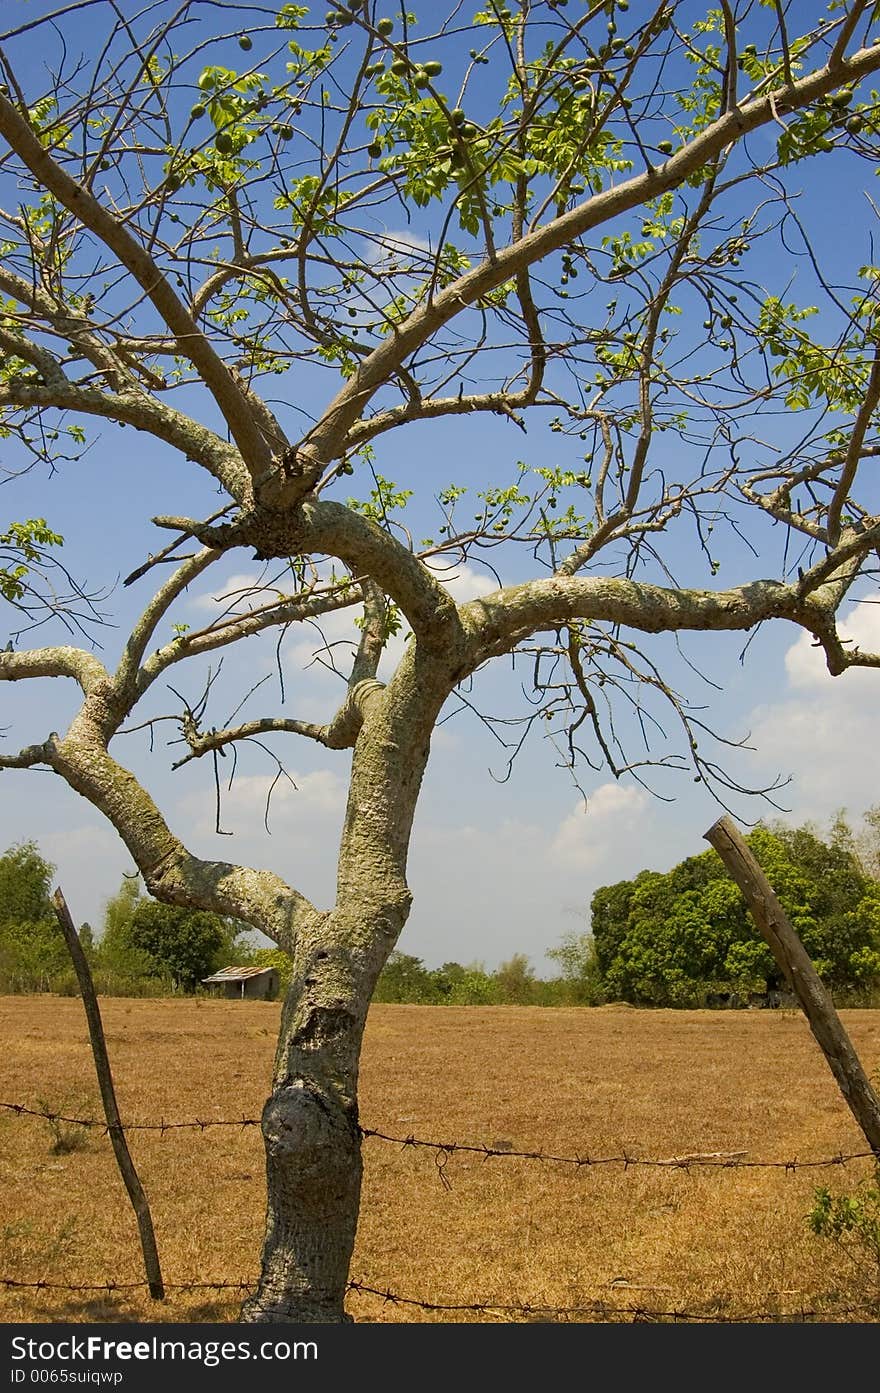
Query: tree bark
(310, 1123)
(311, 1130)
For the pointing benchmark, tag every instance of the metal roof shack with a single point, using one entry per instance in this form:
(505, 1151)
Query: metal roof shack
(245, 983)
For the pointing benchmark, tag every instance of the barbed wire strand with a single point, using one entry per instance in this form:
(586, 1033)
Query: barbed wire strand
(716, 1160)
(485, 1307)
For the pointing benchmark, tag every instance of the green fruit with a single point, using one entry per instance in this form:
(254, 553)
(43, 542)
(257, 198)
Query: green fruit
(665, 147)
(374, 150)
(286, 132)
(854, 124)
(433, 68)
(197, 111)
(172, 183)
(246, 42)
(420, 78)
(843, 97)
(385, 26)
(468, 129)
(399, 67)
(457, 116)
(223, 142)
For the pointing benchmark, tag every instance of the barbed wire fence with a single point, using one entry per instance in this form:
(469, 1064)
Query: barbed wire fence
(720, 1160)
(602, 1310)
(443, 1152)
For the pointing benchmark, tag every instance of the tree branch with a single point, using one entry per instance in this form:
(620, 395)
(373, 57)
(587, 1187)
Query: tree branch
(137, 260)
(325, 441)
(498, 622)
(26, 758)
(83, 667)
(145, 413)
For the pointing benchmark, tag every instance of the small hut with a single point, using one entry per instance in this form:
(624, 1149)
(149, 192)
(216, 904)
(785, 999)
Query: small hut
(245, 983)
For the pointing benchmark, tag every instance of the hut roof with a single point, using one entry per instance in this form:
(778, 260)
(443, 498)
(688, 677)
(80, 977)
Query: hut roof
(237, 974)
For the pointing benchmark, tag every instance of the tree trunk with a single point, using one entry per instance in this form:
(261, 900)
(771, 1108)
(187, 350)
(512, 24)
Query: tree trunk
(310, 1124)
(311, 1131)
(313, 1172)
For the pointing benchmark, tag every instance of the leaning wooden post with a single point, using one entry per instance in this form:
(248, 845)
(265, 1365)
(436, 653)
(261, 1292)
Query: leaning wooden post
(794, 961)
(108, 1096)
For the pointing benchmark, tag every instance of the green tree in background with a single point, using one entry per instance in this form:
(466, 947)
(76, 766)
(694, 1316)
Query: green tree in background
(121, 961)
(32, 949)
(143, 939)
(579, 971)
(660, 937)
(25, 881)
(516, 981)
(183, 944)
(405, 978)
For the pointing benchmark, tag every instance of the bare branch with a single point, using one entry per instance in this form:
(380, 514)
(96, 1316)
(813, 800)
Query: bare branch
(134, 256)
(83, 667)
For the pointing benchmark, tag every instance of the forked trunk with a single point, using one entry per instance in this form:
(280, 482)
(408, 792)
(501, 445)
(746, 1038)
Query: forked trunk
(310, 1124)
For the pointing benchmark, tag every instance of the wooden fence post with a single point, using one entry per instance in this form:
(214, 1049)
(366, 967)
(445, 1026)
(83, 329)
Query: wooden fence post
(127, 1170)
(794, 961)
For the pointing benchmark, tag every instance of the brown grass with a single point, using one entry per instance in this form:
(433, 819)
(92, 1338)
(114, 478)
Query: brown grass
(724, 1244)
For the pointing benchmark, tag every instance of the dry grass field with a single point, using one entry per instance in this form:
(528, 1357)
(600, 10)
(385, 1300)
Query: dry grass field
(723, 1244)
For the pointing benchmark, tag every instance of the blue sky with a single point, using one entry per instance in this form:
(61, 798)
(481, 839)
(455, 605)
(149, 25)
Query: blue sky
(496, 867)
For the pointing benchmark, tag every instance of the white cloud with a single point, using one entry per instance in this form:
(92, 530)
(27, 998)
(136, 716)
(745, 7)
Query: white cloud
(385, 247)
(332, 638)
(238, 593)
(90, 860)
(462, 581)
(805, 660)
(822, 732)
(298, 804)
(592, 832)
(309, 650)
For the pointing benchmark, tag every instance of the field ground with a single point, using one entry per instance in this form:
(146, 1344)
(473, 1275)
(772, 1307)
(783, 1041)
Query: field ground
(724, 1244)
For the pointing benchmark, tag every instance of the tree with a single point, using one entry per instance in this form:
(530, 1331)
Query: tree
(515, 981)
(117, 952)
(183, 943)
(661, 938)
(582, 192)
(405, 978)
(32, 949)
(25, 885)
(578, 968)
(143, 938)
